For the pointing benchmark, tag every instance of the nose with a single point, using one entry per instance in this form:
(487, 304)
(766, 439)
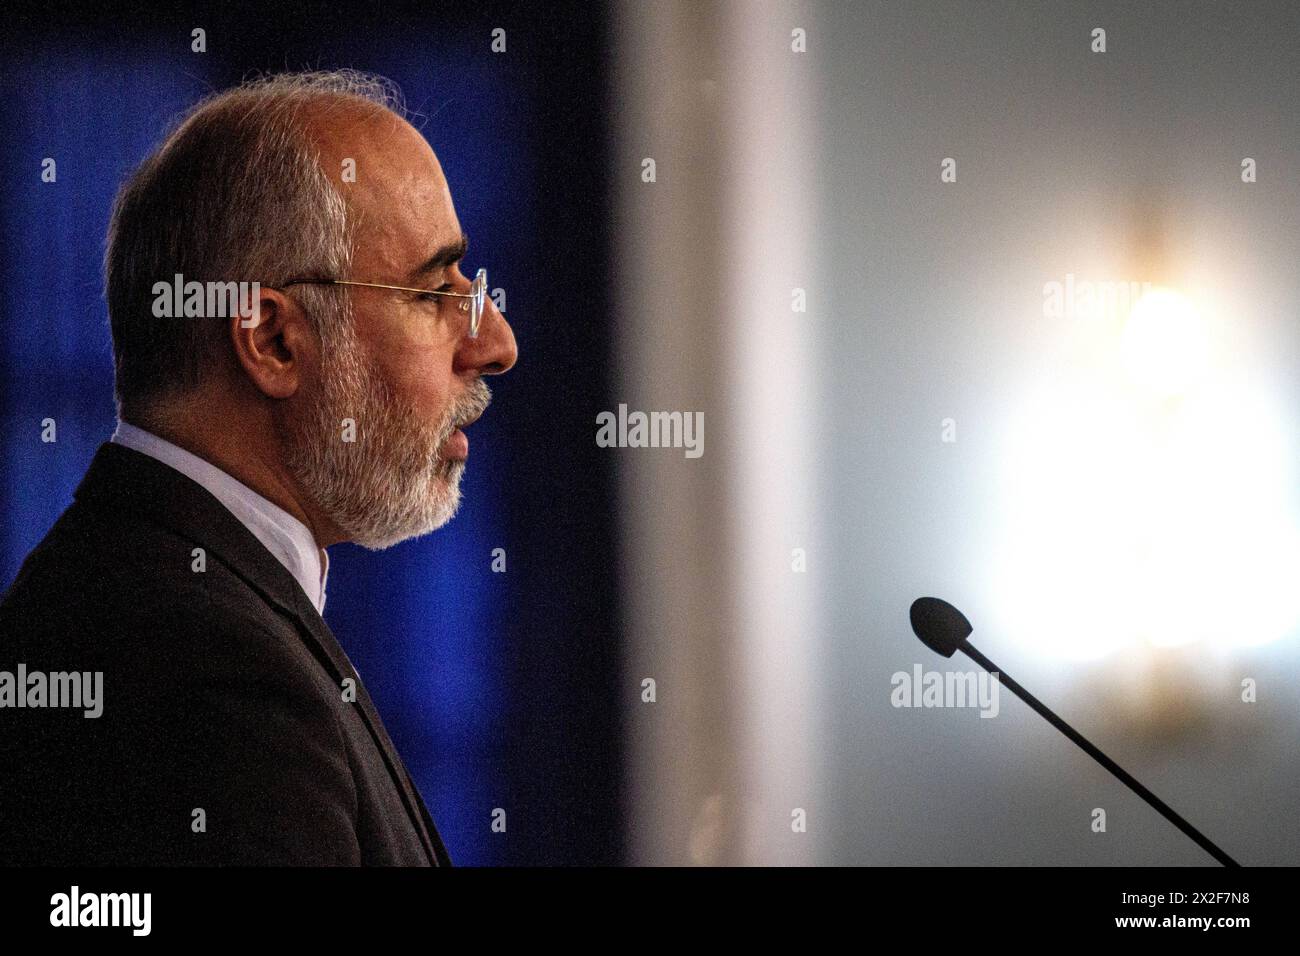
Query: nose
(494, 351)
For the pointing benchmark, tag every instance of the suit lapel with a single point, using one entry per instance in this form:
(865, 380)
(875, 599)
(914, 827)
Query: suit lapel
(319, 633)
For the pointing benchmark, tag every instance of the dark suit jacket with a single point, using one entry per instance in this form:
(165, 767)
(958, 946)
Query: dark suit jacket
(223, 692)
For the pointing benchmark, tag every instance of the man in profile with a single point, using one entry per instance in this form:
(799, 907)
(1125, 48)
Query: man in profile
(190, 569)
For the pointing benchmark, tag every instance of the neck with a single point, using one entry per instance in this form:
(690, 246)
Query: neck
(251, 460)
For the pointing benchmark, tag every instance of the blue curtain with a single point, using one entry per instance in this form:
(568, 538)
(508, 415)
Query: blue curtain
(498, 688)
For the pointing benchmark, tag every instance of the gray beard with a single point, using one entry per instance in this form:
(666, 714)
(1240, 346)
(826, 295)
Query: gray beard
(391, 483)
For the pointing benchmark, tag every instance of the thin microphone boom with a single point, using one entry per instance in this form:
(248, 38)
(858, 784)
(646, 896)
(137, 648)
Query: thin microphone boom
(944, 629)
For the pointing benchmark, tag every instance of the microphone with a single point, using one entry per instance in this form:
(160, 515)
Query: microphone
(944, 629)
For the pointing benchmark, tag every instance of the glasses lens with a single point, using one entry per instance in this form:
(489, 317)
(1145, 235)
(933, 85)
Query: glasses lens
(477, 303)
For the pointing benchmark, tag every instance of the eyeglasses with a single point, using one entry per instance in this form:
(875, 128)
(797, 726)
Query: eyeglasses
(477, 294)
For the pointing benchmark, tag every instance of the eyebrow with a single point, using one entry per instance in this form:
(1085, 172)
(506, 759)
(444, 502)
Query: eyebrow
(445, 256)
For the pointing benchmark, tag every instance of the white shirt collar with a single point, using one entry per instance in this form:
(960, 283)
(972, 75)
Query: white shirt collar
(287, 538)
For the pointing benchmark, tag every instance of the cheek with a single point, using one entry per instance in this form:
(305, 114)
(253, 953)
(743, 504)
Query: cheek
(418, 369)
(425, 386)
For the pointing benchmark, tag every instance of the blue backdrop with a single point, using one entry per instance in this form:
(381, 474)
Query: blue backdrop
(499, 689)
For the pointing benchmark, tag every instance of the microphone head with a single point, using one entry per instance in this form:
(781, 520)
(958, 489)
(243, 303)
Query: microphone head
(939, 625)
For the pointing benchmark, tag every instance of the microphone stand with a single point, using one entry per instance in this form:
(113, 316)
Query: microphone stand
(1124, 776)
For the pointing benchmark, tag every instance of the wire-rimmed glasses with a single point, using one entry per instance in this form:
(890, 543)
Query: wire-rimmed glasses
(477, 295)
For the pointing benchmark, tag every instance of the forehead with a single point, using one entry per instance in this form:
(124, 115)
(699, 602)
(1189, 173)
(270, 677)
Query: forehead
(399, 201)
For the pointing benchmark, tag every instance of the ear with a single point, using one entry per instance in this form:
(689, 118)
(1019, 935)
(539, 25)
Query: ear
(274, 343)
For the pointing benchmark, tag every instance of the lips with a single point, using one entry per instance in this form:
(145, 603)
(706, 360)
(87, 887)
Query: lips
(456, 447)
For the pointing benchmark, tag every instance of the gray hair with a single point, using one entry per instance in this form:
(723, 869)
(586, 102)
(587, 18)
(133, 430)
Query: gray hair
(235, 193)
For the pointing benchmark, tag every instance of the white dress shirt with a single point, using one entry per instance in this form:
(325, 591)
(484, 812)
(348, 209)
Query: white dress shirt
(281, 533)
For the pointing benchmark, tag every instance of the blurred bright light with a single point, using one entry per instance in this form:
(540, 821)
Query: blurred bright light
(1128, 521)
(1165, 344)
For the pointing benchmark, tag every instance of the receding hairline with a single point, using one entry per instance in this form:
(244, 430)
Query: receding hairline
(341, 128)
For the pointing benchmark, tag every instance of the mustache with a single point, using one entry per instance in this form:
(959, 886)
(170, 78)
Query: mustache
(465, 409)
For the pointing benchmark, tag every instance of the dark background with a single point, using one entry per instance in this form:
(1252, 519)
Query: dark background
(498, 689)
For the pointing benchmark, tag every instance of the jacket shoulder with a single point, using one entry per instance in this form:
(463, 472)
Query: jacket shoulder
(97, 577)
